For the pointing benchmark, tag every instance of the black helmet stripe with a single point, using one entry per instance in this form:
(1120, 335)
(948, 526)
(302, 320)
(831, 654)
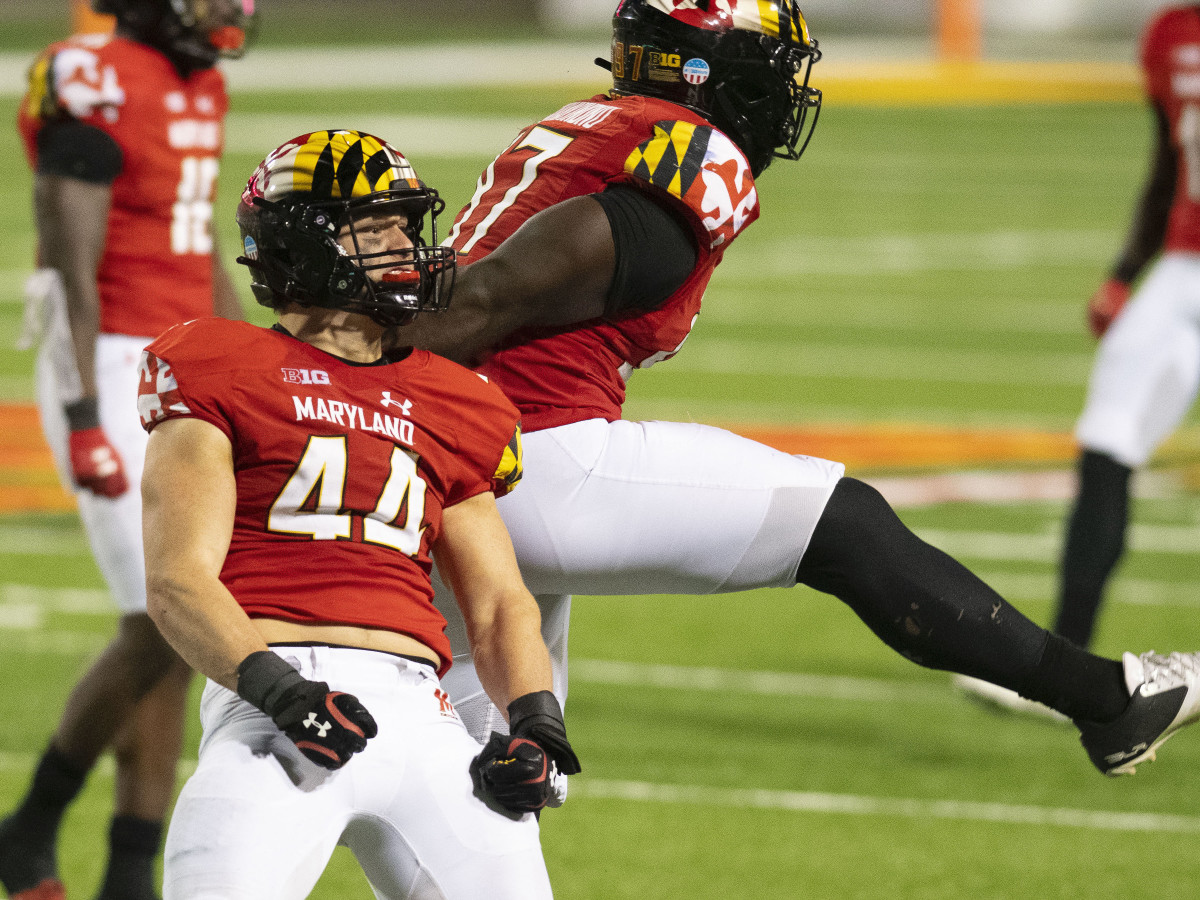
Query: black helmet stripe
(349, 168)
(375, 166)
(323, 174)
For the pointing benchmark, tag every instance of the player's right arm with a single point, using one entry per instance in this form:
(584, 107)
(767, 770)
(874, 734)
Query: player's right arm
(1147, 231)
(189, 495)
(72, 192)
(603, 254)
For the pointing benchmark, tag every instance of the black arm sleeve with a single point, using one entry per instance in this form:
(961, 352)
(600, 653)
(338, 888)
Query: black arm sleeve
(655, 251)
(75, 150)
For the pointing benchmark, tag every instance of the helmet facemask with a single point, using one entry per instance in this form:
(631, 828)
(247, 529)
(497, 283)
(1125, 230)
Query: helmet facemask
(743, 66)
(187, 30)
(292, 242)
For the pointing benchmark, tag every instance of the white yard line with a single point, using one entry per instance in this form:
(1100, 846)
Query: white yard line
(583, 788)
(808, 360)
(883, 807)
(735, 681)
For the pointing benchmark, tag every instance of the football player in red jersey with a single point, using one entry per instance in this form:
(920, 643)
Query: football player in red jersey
(616, 210)
(299, 482)
(124, 133)
(1147, 369)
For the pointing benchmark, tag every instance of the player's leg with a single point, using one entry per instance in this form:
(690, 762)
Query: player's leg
(644, 507)
(137, 657)
(935, 612)
(256, 819)
(420, 833)
(147, 750)
(1143, 381)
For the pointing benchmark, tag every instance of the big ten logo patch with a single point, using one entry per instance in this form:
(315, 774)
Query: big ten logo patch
(446, 708)
(305, 376)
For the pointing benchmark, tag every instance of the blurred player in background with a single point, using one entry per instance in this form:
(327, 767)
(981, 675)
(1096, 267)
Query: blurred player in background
(314, 620)
(124, 133)
(637, 196)
(1147, 369)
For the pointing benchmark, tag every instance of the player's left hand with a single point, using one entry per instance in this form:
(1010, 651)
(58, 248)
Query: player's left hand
(1104, 306)
(518, 772)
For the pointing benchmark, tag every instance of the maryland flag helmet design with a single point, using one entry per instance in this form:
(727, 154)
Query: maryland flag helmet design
(742, 64)
(308, 191)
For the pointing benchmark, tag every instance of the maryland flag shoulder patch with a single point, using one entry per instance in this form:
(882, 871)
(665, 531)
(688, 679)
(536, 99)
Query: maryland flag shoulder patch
(511, 467)
(672, 158)
(704, 169)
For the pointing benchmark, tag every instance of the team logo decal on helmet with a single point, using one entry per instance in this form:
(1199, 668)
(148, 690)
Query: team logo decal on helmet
(742, 64)
(305, 193)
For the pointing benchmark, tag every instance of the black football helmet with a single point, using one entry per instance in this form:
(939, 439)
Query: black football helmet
(189, 32)
(742, 64)
(299, 199)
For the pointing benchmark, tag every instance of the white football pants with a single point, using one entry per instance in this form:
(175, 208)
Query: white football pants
(643, 508)
(259, 821)
(1147, 368)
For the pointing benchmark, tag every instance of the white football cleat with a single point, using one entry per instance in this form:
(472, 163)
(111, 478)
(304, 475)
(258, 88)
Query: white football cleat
(1164, 696)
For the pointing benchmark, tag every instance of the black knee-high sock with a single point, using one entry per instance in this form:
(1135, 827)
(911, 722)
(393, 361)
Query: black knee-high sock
(133, 846)
(1094, 545)
(933, 610)
(29, 836)
(56, 782)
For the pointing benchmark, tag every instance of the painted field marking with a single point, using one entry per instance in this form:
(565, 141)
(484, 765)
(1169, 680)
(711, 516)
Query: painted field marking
(773, 684)
(881, 254)
(1175, 540)
(812, 359)
(583, 788)
(888, 807)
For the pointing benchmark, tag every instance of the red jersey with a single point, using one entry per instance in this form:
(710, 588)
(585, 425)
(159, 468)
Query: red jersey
(342, 470)
(557, 376)
(1170, 56)
(156, 269)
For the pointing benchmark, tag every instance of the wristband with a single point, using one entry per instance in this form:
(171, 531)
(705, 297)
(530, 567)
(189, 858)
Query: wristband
(530, 709)
(83, 414)
(263, 678)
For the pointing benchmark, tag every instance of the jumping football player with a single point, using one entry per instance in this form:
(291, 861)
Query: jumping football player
(638, 194)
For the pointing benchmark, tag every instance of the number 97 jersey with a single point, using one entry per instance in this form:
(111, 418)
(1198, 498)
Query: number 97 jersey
(1170, 56)
(342, 470)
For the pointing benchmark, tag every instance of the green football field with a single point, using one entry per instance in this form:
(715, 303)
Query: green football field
(919, 268)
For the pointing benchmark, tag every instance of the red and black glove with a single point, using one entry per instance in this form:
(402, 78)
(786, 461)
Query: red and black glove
(514, 771)
(1104, 306)
(327, 726)
(95, 464)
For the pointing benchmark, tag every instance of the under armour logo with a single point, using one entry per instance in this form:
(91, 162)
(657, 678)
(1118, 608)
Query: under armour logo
(405, 405)
(322, 727)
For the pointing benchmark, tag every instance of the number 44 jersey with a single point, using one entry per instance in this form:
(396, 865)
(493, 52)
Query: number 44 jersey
(156, 269)
(354, 462)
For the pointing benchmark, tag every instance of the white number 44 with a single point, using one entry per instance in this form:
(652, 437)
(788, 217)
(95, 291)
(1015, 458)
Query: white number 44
(322, 469)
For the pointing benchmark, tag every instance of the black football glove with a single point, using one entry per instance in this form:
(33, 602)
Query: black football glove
(514, 771)
(327, 726)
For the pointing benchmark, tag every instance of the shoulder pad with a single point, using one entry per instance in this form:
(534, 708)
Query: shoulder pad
(703, 168)
(74, 80)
